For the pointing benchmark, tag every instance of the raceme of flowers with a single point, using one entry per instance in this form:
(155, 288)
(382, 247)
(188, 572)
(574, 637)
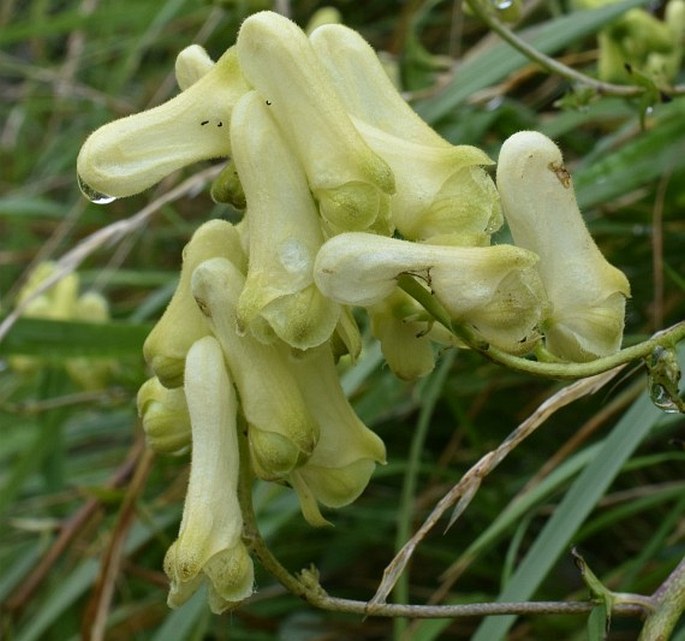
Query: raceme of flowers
(345, 189)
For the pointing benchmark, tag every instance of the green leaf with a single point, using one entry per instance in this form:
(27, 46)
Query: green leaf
(597, 624)
(66, 339)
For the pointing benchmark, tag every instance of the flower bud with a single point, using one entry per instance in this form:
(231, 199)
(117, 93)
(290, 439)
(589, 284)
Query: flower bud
(126, 156)
(347, 452)
(587, 295)
(350, 182)
(281, 431)
(182, 323)
(164, 413)
(406, 347)
(209, 544)
(284, 233)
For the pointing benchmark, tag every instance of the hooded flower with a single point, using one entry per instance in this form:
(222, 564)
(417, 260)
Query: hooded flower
(441, 188)
(284, 233)
(182, 323)
(126, 156)
(495, 289)
(209, 544)
(281, 431)
(587, 295)
(350, 182)
(347, 452)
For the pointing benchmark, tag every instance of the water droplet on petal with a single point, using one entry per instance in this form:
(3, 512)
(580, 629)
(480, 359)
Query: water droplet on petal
(94, 195)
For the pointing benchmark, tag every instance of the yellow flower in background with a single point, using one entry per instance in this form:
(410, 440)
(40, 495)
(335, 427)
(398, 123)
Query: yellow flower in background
(62, 302)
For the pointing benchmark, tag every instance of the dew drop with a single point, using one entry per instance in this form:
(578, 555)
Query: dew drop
(662, 399)
(502, 5)
(94, 195)
(664, 376)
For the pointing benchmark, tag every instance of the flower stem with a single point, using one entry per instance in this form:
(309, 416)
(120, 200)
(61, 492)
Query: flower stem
(554, 66)
(425, 298)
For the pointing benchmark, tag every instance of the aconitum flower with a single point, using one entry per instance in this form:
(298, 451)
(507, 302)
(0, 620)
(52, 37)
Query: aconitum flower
(587, 295)
(442, 189)
(284, 232)
(281, 431)
(126, 156)
(183, 323)
(165, 418)
(494, 289)
(209, 544)
(351, 183)
(402, 328)
(347, 451)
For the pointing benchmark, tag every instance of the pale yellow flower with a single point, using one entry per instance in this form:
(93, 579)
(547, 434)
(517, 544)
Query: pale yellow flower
(350, 182)
(494, 289)
(587, 295)
(182, 323)
(347, 452)
(209, 544)
(126, 156)
(284, 233)
(281, 431)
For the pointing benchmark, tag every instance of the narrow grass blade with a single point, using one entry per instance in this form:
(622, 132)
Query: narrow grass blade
(557, 534)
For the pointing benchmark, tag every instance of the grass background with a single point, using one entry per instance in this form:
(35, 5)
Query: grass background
(604, 474)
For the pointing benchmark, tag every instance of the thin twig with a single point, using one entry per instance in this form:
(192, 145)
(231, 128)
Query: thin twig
(306, 586)
(107, 236)
(97, 610)
(554, 66)
(71, 528)
(465, 489)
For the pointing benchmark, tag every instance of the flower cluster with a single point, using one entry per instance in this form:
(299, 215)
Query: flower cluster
(345, 190)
